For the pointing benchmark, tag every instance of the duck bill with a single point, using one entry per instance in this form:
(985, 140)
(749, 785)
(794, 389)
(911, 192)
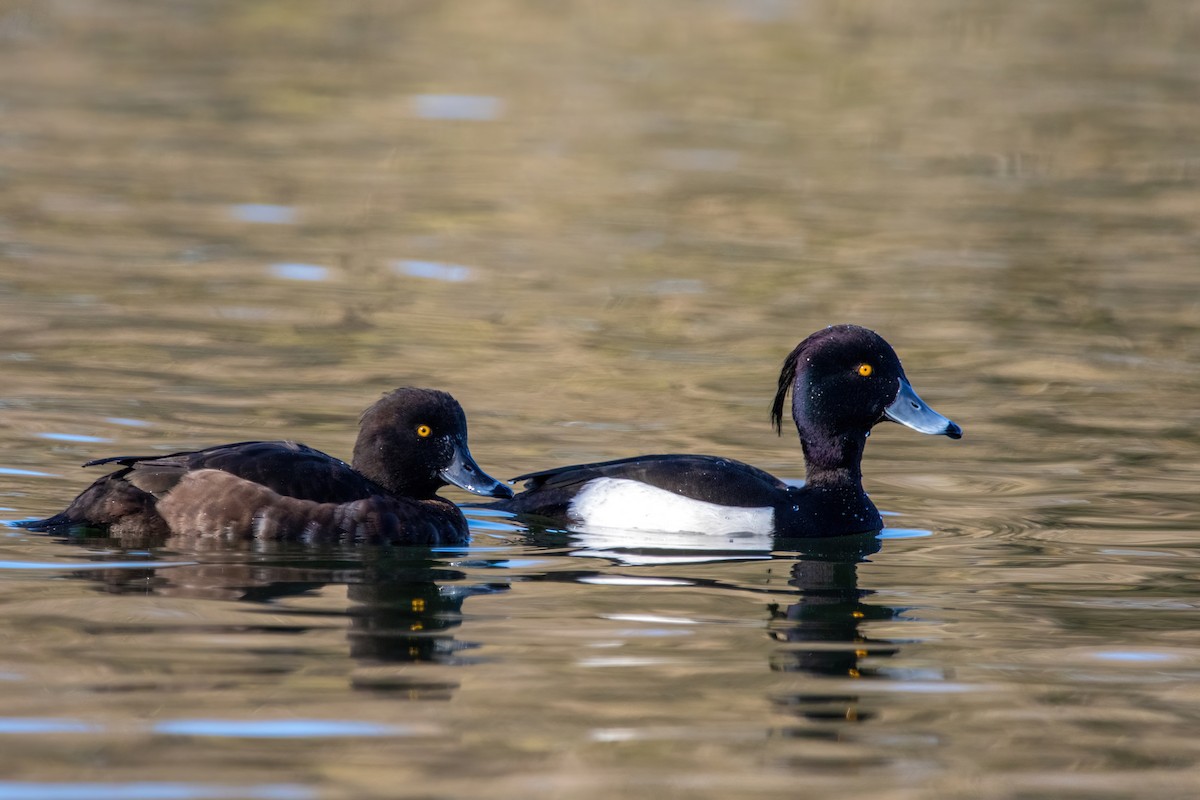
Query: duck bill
(911, 411)
(464, 473)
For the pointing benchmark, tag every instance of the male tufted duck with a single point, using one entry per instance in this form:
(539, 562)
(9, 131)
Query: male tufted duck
(844, 379)
(410, 443)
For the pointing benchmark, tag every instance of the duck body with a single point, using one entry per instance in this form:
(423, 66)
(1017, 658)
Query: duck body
(843, 380)
(410, 444)
(692, 493)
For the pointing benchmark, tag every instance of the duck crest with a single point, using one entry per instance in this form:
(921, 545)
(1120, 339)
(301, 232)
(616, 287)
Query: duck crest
(787, 377)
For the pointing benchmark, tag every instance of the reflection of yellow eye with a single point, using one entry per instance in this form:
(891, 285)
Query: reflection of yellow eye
(424, 430)
(865, 370)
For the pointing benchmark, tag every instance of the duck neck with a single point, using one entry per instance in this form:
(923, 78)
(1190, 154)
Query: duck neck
(833, 459)
(371, 460)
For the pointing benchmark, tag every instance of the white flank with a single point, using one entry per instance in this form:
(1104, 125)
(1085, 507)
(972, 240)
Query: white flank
(619, 503)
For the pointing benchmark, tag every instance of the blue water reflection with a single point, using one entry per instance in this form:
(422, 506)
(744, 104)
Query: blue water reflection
(76, 566)
(150, 790)
(129, 422)
(263, 213)
(279, 728)
(433, 270)
(300, 272)
(457, 106)
(72, 437)
(1136, 657)
(904, 533)
(26, 473)
(25, 726)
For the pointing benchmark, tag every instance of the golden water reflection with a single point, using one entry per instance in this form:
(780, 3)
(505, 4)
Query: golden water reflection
(601, 228)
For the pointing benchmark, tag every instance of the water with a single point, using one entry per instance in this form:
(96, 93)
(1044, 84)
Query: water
(602, 228)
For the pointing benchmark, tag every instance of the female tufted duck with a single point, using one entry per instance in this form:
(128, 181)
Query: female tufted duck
(410, 443)
(844, 379)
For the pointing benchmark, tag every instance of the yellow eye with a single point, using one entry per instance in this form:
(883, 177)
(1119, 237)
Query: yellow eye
(423, 431)
(865, 370)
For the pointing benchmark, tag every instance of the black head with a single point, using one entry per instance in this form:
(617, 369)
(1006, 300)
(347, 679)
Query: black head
(845, 379)
(414, 441)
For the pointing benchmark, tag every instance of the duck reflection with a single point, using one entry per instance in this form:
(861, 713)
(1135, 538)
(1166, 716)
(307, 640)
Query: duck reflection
(404, 614)
(404, 604)
(820, 633)
(818, 627)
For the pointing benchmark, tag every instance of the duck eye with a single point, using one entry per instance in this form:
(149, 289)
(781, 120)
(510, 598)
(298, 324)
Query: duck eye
(423, 431)
(865, 370)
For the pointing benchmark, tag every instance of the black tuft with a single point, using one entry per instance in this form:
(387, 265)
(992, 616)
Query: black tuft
(787, 376)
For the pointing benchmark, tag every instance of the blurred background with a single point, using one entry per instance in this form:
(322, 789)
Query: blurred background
(602, 226)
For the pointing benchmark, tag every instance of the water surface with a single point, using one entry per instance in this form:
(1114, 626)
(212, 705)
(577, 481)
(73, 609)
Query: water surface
(602, 228)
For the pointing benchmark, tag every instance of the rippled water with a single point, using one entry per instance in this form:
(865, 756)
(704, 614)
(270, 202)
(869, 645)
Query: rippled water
(602, 227)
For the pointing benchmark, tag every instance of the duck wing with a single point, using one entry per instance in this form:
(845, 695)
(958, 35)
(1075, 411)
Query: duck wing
(128, 497)
(287, 468)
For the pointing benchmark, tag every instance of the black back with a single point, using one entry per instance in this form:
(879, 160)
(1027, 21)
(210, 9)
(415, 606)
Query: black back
(714, 480)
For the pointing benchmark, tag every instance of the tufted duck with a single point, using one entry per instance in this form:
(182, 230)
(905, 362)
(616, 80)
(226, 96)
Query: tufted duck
(410, 443)
(844, 379)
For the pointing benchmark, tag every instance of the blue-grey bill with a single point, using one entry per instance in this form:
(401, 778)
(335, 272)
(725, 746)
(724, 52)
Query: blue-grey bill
(911, 411)
(464, 473)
